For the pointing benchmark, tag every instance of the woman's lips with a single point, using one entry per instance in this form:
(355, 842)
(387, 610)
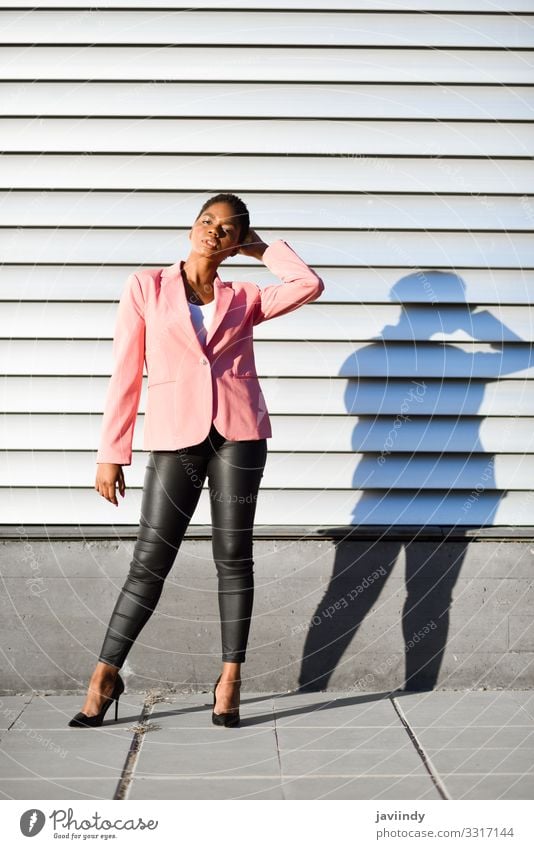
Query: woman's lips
(211, 243)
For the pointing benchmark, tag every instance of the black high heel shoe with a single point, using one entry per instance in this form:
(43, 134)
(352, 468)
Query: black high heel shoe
(81, 720)
(229, 719)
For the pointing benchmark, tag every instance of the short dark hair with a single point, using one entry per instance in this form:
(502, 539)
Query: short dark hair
(239, 207)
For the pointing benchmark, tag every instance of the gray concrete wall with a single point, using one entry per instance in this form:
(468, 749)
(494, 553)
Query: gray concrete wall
(357, 611)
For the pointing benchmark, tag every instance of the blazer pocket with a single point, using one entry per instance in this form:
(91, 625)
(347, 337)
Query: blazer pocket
(158, 382)
(243, 374)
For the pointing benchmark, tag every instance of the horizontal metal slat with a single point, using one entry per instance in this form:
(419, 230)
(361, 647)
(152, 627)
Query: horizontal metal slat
(272, 211)
(275, 507)
(477, 6)
(344, 285)
(316, 396)
(266, 173)
(416, 248)
(329, 470)
(396, 323)
(294, 359)
(445, 434)
(282, 63)
(267, 136)
(315, 321)
(242, 100)
(150, 26)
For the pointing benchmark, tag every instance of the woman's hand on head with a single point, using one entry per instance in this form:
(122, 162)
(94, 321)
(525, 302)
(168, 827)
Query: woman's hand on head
(253, 245)
(108, 475)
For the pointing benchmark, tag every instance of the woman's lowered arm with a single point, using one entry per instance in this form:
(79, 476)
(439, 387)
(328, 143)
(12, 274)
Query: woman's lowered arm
(124, 389)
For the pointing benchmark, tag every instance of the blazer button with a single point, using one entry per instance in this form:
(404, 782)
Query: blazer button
(203, 361)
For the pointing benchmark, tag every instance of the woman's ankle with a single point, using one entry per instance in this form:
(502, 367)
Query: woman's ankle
(104, 672)
(231, 673)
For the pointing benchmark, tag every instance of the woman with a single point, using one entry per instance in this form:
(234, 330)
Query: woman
(205, 417)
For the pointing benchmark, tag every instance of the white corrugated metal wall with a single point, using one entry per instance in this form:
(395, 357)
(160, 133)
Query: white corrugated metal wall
(389, 143)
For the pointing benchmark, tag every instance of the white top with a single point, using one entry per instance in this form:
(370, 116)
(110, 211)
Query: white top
(201, 315)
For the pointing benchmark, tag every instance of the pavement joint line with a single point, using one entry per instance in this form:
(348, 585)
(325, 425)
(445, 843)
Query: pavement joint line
(128, 770)
(27, 700)
(273, 707)
(245, 776)
(427, 761)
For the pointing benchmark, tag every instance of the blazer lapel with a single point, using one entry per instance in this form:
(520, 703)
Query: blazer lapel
(173, 288)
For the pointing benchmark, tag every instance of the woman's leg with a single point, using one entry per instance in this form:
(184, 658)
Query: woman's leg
(170, 495)
(234, 474)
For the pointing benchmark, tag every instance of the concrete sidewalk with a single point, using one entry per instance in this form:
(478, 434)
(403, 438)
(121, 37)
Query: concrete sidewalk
(330, 745)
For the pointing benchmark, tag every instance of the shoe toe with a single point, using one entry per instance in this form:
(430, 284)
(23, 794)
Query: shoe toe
(76, 722)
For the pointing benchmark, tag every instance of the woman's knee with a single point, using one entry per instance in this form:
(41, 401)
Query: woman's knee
(151, 561)
(232, 547)
(148, 573)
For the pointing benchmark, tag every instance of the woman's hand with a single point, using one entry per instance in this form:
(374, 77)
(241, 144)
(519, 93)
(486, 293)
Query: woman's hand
(253, 245)
(107, 476)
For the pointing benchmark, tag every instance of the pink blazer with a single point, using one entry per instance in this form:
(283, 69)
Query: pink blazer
(191, 385)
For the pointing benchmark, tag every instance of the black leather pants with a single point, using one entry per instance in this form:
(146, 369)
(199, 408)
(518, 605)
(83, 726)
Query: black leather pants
(172, 486)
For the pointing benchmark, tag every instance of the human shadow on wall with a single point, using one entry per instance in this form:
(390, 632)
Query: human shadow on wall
(361, 568)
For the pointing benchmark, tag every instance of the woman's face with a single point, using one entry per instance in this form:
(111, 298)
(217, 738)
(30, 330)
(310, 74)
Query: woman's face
(215, 233)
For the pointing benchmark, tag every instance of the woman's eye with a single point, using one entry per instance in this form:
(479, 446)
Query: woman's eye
(207, 221)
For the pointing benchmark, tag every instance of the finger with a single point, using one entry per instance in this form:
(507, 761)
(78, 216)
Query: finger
(122, 485)
(110, 493)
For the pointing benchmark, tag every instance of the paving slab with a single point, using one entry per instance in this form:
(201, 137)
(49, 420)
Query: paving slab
(483, 760)
(474, 737)
(224, 752)
(334, 712)
(97, 787)
(74, 753)
(55, 712)
(348, 737)
(10, 708)
(526, 699)
(466, 709)
(195, 787)
(490, 786)
(370, 787)
(358, 762)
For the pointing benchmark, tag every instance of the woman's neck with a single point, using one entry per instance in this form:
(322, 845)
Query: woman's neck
(199, 276)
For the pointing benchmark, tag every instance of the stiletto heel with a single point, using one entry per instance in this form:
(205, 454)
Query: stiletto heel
(229, 719)
(81, 720)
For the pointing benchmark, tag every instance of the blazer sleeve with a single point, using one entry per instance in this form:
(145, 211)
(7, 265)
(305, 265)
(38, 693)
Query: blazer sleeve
(124, 388)
(300, 283)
